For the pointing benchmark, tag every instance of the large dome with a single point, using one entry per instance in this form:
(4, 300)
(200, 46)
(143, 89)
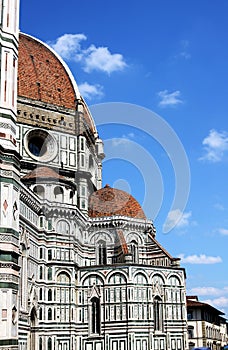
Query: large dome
(43, 77)
(110, 202)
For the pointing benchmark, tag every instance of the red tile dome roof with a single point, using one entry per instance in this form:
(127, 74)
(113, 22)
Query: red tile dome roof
(42, 76)
(110, 202)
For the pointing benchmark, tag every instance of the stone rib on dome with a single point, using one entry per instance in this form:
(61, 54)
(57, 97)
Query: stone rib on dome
(111, 202)
(42, 76)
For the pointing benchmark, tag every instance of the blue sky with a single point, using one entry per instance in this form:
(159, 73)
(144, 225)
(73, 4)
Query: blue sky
(170, 57)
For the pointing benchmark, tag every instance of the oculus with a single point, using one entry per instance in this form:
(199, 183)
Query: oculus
(40, 145)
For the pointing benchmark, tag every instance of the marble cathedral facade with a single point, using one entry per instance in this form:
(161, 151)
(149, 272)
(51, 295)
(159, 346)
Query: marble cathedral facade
(80, 268)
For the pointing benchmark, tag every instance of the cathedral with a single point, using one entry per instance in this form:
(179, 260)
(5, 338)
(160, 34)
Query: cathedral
(80, 266)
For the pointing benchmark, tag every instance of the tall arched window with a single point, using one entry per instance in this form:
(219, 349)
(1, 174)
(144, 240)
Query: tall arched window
(41, 272)
(134, 251)
(49, 294)
(158, 314)
(49, 314)
(40, 314)
(49, 344)
(102, 253)
(40, 344)
(49, 273)
(96, 316)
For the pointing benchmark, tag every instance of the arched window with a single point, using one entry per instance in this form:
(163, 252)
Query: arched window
(158, 314)
(49, 254)
(41, 272)
(49, 344)
(134, 251)
(39, 191)
(63, 227)
(49, 273)
(40, 344)
(63, 277)
(96, 315)
(102, 253)
(58, 193)
(49, 295)
(49, 314)
(40, 314)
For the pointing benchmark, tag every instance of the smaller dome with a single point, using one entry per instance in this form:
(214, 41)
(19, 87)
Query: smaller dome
(110, 202)
(44, 174)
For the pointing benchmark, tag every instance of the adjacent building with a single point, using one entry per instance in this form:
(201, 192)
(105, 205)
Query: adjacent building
(207, 326)
(80, 267)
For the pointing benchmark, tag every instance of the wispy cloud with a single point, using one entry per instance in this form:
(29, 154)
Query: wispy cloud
(215, 145)
(176, 218)
(202, 291)
(184, 50)
(219, 206)
(223, 231)
(69, 47)
(169, 98)
(200, 259)
(90, 91)
(218, 302)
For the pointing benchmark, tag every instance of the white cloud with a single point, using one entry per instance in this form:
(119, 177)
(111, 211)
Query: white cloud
(223, 231)
(69, 47)
(215, 145)
(202, 291)
(205, 291)
(178, 219)
(201, 259)
(120, 142)
(90, 91)
(184, 50)
(218, 302)
(100, 58)
(169, 99)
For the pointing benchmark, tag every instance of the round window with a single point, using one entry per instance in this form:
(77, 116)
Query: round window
(40, 145)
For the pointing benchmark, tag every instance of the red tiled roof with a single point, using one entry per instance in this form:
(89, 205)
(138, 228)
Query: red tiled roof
(41, 75)
(110, 202)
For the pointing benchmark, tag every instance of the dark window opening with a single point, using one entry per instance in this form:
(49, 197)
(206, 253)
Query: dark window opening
(96, 328)
(102, 253)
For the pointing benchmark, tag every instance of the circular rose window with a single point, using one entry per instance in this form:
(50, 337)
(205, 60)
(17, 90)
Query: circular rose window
(40, 145)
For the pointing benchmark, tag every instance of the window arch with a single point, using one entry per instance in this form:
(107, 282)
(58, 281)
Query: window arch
(158, 314)
(39, 191)
(58, 193)
(63, 227)
(96, 315)
(134, 251)
(63, 277)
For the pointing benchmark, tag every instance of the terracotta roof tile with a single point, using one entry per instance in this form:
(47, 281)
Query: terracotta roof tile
(41, 76)
(110, 202)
